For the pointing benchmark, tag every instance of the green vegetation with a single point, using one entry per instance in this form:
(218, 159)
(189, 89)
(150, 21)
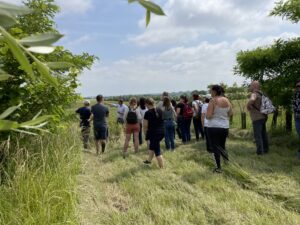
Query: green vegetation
(252, 190)
(39, 183)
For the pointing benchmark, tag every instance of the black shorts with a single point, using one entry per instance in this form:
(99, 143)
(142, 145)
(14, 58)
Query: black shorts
(100, 132)
(155, 143)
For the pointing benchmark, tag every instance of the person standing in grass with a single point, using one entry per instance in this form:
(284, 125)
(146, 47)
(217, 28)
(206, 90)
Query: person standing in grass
(85, 114)
(177, 128)
(218, 112)
(154, 128)
(169, 117)
(121, 111)
(143, 109)
(204, 120)
(197, 108)
(184, 118)
(259, 119)
(99, 116)
(132, 118)
(296, 109)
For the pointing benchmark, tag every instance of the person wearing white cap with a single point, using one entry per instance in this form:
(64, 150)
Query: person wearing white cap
(85, 113)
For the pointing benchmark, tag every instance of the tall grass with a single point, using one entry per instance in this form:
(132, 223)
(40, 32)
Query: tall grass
(40, 179)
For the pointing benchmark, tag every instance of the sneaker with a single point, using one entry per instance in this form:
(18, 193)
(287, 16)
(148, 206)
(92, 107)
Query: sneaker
(147, 162)
(217, 170)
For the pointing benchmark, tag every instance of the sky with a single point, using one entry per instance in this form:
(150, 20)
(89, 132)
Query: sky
(193, 46)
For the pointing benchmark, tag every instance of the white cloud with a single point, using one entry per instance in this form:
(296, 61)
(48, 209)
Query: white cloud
(67, 6)
(75, 6)
(176, 69)
(188, 20)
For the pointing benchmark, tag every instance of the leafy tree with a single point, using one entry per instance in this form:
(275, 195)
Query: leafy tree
(287, 9)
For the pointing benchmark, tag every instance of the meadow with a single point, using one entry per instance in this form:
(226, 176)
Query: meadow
(252, 189)
(53, 181)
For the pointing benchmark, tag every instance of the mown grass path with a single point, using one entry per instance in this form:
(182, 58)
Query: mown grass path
(252, 189)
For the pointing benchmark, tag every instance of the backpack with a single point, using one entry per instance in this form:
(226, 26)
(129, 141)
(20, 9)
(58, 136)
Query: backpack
(199, 113)
(131, 117)
(187, 111)
(267, 106)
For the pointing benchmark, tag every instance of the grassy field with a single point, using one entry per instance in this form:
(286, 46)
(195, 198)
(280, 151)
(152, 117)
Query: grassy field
(50, 180)
(252, 189)
(40, 178)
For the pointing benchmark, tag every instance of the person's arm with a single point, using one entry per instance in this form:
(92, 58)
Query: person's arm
(145, 126)
(251, 101)
(178, 111)
(230, 112)
(91, 117)
(210, 109)
(195, 107)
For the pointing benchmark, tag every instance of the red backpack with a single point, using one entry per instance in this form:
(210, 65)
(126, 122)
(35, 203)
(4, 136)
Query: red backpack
(187, 111)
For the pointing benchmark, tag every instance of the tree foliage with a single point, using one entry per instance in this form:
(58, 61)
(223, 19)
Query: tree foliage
(287, 9)
(276, 66)
(45, 82)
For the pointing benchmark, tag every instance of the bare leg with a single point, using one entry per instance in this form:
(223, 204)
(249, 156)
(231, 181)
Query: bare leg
(103, 145)
(127, 139)
(151, 155)
(160, 161)
(136, 142)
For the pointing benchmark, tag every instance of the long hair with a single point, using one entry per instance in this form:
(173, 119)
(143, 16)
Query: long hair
(184, 98)
(167, 103)
(218, 89)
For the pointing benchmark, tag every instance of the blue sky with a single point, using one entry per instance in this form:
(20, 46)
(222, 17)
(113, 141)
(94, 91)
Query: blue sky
(193, 46)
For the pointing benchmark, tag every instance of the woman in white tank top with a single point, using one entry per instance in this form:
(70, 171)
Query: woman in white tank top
(218, 113)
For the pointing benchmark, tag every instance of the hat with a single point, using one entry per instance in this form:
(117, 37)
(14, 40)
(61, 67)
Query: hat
(86, 102)
(208, 96)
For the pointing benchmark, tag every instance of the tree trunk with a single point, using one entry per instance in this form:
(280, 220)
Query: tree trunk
(288, 121)
(274, 120)
(243, 119)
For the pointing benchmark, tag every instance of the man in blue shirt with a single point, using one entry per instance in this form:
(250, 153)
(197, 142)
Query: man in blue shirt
(85, 114)
(99, 116)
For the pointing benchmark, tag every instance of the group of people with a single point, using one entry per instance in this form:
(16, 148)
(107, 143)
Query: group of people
(146, 120)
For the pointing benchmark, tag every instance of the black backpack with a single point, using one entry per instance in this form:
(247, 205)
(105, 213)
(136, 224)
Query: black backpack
(131, 117)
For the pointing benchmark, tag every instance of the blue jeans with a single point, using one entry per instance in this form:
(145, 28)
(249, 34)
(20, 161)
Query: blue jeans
(185, 125)
(260, 136)
(169, 134)
(297, 123)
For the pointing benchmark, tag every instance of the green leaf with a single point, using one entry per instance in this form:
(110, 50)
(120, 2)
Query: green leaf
(59, 65)
(131, 1)
(18, 53)
(148, 17)
(6, 125)
(152, 7)
(45, 72)
(24, 131)
(45, 39)
(42, 49)
(6, 20)
(14, 10)
(9, 111)
(36, 121)
(4, 77)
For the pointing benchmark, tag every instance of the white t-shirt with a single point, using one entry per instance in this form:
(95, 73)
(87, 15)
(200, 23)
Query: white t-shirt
(137, 111)
(195, 105)
(121, 110)
(204, 111)
(143, 111)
